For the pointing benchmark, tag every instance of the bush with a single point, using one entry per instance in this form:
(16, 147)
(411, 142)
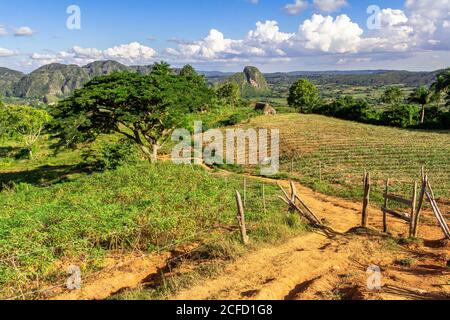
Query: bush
(110, 156)
(436, 119)
(349, 108)
(402, 116)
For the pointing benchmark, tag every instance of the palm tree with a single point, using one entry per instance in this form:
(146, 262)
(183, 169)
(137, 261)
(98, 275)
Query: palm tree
(422, 96)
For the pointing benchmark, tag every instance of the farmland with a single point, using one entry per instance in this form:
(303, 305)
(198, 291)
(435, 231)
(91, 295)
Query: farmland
(331, 155)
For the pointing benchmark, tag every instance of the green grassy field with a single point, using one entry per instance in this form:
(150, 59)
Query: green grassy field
(139, 208)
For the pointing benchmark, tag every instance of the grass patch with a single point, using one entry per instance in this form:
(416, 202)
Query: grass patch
(330, 155)
(406, 262)
(143, 207)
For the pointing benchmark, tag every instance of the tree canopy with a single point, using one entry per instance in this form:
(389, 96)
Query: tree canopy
(393, 95)
(423, 96)
(25, 122)
(442, 85)
(304, 96)
(230, 92)
(143, 108)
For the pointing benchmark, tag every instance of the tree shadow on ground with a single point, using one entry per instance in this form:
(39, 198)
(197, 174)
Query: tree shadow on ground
(8, 152)
(415, 294)
(43, 176)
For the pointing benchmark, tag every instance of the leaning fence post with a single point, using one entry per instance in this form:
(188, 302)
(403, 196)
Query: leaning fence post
(241, 218)
(413, 211)
(264, 198)
(386, 201)
(365, 216)
(419, 206)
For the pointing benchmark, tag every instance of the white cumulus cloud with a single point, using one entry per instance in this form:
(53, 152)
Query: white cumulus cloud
(330, 5)
(6, 52)
(327, 34)
(3, 31)
(132, 53)
(296, 7)
(24, 32)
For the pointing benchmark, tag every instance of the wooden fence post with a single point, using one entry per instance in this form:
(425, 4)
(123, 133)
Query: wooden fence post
(385, 224)
(366, 201)
(320, 171)
(413, 211)
(264, 198)
(437, 212)
(245, 192)
(420, 205)
(241, 218)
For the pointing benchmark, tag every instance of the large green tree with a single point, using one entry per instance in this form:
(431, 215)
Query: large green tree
(25, 122)
(304, 96)
(393, 95)
(423, 96)
(145, 109)
(442, 85)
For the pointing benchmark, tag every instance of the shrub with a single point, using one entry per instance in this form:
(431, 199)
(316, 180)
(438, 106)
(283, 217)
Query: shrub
(402, 116)
(110, 156)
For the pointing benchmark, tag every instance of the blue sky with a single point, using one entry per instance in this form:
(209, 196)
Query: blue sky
(224, 35)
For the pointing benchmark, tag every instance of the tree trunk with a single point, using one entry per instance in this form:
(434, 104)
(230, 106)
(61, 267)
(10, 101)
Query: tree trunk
(422, 119)
(155, 150)
(147, 153)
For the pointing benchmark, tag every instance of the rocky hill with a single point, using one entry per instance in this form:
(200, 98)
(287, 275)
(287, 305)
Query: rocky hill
(8, 80)
(51, 82)
(101, 68)
(54, 81)
(251, 81)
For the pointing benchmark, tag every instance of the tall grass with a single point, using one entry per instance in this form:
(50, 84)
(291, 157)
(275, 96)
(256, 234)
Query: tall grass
(143, 207)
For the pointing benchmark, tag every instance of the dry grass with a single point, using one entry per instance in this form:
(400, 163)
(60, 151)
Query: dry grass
(331, 155)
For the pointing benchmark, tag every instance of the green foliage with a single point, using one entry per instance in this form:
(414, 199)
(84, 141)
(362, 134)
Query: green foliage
(1, 101)
(442, 85)
(143, 108)
(423, 96)
(24, 122)
(402, 116)
(304, 96)
(144, 207)
(398, 115)
(393, 95)
(188, 71)
(230, 93)
(110, 155)
(349, 108)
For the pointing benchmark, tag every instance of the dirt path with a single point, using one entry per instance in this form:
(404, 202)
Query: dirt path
(315, 267)
(310, 266)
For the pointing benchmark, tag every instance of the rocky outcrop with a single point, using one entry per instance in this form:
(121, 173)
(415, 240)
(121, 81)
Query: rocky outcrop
(8, 80)
(251, 82)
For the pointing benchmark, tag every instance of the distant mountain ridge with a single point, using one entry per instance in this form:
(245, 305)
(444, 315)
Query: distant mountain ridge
(54, 81)
(8, 79)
